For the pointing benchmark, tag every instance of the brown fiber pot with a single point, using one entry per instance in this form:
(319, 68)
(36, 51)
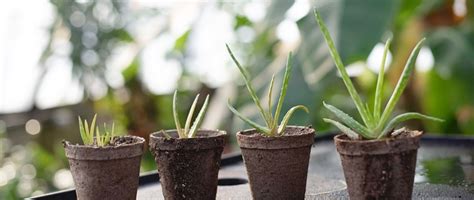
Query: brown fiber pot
(379, 169)
(109, 172)
(277, 167)
(188, 168)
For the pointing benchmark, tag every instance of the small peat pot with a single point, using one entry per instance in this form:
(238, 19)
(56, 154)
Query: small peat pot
(379, 169)
(188, 167)
(277, 167)
(109, 172)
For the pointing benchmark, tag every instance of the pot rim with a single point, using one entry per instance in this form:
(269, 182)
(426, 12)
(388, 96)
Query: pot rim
(209, 139)
(250, 139)
(86, 152)
(377, 146)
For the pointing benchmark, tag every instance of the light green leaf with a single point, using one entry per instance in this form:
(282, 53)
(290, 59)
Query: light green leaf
(259, 128)
(379, 88)
(287, 117)
(199, 118)
(270, 106)
(348, 120)
(402, 83)
(342, 70)
(190, 115)
(284, 87)
(349, 132)
(252, 92)
(93, 125)
(404, 117)
(176, 117)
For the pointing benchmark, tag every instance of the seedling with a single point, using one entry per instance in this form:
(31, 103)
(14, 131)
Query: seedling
(375, 122)
(272, 128)
(91, 135)
(188, 131)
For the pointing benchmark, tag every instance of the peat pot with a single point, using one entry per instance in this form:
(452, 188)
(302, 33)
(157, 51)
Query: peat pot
(277, 167)
(109, 172)
(188, 167)
(379, 169)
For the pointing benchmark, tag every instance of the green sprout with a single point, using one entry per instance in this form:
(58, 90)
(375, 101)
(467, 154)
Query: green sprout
(272, 128)
(376, 124)
(188, 131)
(91, 135)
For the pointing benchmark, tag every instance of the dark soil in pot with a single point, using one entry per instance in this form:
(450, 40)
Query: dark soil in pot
(109, 172)
(188, 168)
(379, 169)
(277, 167)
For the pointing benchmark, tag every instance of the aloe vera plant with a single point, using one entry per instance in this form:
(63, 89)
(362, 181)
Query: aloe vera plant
(188, 131)
(376, 124)
(91, 135)
(272, 127)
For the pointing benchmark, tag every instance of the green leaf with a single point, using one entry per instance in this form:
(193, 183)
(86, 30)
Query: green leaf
(284, 87)
(270, 106)
(349, 132)
(199, 118)
(404, 117)
(349, 121)
(287, 117)
(84, 136)
(252, 92)
(190, 115)
(402, 83)
(93, 125)
(342, 70)
(176, 117)
(259, 128)
(379, 88)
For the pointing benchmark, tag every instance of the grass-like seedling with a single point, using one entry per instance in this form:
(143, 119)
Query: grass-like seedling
(376, 124)
(188, 131)
(272, 128)
(91, 135)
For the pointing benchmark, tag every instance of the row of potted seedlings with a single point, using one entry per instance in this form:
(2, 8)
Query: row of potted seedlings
(378, 161)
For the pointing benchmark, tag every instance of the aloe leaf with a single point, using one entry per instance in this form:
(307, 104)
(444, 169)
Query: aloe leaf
(402, 83)
(379, 88)
(93, 124)
(98, 139)
(259, 128)
(404, 117)
(349, 132)
(252, 92)
(199, 118)
(89, 135)
(348, 120)
(176, 117)
(270, 94)
(84, 136)
(190, 115)
(342, 70)
(287, 117)
(284, 87)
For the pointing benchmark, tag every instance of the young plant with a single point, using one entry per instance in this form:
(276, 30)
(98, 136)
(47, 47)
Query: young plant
(376, 124)
(272, 128)
(188, 131)
(91, 135)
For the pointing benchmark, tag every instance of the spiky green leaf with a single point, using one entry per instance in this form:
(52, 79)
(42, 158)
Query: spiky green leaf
(287, 117)
(199, 118)
(284, 87)
(176, 116)
(259, 128)
(349, 132)
(404, 117)
(190, 115)
(379, 88)
(348, 120)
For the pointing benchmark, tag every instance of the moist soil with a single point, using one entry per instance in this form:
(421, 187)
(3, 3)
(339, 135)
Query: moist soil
(188, 168)
(379, 169)
(109, 172)
(277, 167)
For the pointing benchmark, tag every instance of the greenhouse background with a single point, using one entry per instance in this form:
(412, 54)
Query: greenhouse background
(61, 59)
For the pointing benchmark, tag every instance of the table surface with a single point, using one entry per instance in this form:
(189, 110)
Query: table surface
(445, 170)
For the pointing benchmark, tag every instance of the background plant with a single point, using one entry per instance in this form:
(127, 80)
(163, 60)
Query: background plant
(375, 122)
(91, 135)
(271, 120)
(188, 131)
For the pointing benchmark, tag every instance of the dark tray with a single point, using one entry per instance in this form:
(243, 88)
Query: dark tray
(445, 170)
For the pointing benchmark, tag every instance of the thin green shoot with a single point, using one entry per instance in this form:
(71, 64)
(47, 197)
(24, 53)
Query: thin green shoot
(271, 128)
(91, 134)
(188, 131)
(376, 124)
